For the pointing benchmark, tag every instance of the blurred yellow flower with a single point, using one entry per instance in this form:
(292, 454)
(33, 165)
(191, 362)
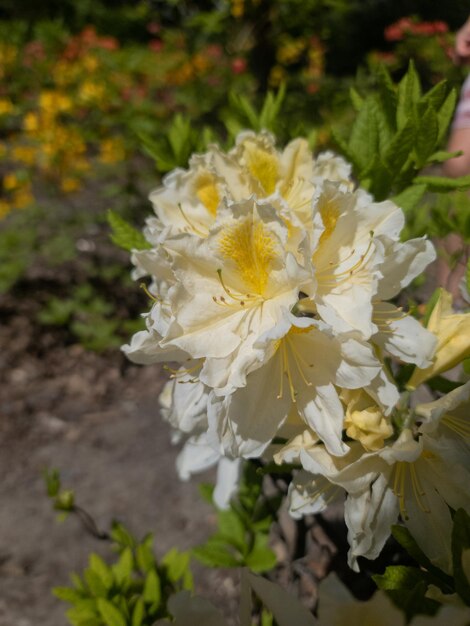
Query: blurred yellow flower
(112, 150)
(10, 181)
(24, 154)
(69, 184)
(5, 208)
(31, 122)
(6, 106)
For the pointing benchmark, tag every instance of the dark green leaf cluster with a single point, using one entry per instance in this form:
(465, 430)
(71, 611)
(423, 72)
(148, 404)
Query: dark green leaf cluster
(397, 132)
(408, 586)
(173, 148)
(242, 537)
(132, 591)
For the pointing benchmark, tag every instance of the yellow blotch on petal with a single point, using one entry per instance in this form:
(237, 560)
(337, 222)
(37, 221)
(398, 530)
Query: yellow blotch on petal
(250, 246)
(329, 212)
(207, 193)
(263, 166)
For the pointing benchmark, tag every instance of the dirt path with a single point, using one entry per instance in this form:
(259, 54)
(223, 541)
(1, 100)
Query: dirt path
(101, 429)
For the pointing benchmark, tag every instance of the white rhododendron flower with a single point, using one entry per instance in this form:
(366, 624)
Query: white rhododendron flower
(418, 476)
(271, 276)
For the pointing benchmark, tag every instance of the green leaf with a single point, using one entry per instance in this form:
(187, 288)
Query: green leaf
(52, 478)
(399, 149)
(441, 156)
(461, 542)
(95, 584)
(124, 235)
(152, 589)
(84, 612)
(442, 183)
(445, 114)
(407, 541)
(443, 385)
(409, 92)
(102, 570)
(232, 529)
(122, 536)
(356, 99)
(67, 594)
(122, 570)
(177, 567)
(206, 491)
(261, 558)
(410, 197)
(426, 137)
(138, 613)
(111, 615)
(407, 588)
(215, 553)
(436, 96)
(144, 555)
(363, 142)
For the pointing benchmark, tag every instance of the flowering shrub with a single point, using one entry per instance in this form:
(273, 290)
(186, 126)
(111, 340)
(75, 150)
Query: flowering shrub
(274, 279)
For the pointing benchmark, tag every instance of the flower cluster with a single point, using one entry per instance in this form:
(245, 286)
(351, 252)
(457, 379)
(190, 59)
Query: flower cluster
(64, 103)
(407, 26)
(271, 279)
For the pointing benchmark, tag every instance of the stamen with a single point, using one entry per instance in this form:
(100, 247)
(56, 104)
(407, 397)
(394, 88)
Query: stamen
(240, 298)
(148, 294)
(192, 226)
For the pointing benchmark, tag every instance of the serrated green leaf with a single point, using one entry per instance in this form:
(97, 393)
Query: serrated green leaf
(363, 141)
(442, 183)
(356, 99)
(111, 615)
(138, 613)
(409, 93)
(387, 95)
(461, 542)
(436, 96)
(261, 558)
(426, 137)
(399, 149)
(215, 553)
(102, 570)
(445, 114)
(413, 601)
(409, 198)
(124, 235)
(152, 589)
